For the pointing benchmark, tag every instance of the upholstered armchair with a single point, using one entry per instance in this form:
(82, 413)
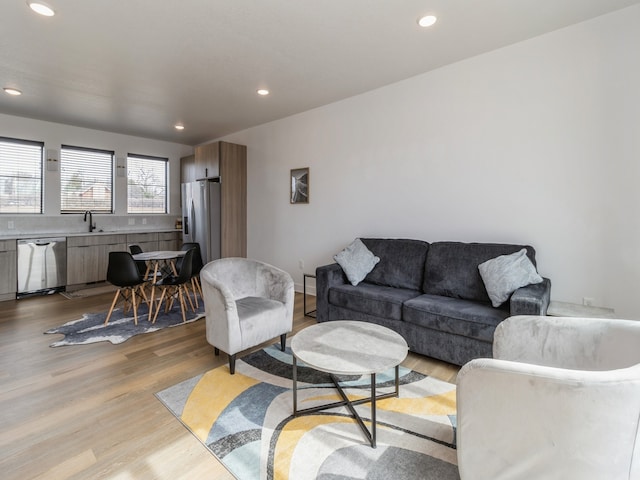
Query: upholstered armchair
(246, 303)
(559, 400)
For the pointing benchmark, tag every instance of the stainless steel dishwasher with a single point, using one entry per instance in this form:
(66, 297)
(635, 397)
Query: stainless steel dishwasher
(42, 266)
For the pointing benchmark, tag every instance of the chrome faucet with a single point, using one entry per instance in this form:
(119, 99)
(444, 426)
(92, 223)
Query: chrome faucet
(92, 225)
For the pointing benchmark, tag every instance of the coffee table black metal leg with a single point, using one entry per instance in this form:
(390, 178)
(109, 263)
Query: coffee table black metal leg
(373, 410)
(371, 434)
(397, 380)
(295, 386)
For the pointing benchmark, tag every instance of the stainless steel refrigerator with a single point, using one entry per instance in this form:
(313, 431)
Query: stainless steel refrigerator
(201, 216)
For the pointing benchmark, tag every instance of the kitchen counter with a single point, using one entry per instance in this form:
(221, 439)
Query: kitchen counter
(21, 236)
(87, 254)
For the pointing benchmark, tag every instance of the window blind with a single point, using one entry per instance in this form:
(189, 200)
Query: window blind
(20, 176)
(146, 184)
(86, 180)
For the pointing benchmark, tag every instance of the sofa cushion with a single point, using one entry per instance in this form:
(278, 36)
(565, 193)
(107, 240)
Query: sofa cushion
(460, 317)
(385, 302)
(505, 274)
(401, 262)
(451, 269)
(356, 261)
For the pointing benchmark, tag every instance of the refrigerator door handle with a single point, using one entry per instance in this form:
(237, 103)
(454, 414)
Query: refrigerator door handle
(192, 213)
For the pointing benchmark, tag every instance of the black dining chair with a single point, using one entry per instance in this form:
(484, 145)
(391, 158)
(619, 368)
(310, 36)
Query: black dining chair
(123, 272)
(196, 288)
(142, 265)
(173, 286)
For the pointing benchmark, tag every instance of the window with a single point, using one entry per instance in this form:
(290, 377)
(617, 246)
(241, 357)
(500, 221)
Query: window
(20, 176)
(86, 180)
(146, 184)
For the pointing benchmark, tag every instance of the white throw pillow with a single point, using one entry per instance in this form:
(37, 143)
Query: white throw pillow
(505, 274)
(357, 261)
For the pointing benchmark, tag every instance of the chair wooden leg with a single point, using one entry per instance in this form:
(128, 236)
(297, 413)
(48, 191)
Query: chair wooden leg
(113, 304)
(183, 304)
(168, 303)
(143, 292)
(150, 303)
(188, 295)
(216, 351)
(195, 292)
(164, 290)
(198, 286)
(134, 306)
(283, 341)
(126, 302)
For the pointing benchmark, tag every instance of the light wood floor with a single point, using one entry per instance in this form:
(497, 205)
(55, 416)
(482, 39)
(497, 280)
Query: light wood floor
(89, 411)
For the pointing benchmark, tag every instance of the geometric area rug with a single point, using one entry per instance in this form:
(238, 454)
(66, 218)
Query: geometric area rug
(91, 329)
(245, 421)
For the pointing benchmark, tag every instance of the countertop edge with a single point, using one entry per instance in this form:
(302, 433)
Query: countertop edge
(23, 236)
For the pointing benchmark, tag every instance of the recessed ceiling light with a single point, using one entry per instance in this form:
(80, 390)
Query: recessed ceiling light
(12, 91)
(41, 8)
(427, 21)
(263, 92)
(179, 127)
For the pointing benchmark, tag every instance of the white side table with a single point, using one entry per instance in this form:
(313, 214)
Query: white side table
(311, 313)
(565, 309)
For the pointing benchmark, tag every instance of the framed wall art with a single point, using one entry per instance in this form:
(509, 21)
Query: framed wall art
(299, 184)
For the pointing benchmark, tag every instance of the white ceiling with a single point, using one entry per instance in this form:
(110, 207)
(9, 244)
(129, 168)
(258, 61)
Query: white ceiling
(140, 66)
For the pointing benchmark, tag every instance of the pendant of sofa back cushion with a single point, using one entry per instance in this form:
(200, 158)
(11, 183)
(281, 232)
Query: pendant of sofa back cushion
(505, 274)
(356, 261)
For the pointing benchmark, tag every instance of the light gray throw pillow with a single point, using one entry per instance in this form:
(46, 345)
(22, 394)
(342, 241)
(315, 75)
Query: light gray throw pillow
(505, 274)
(356, 261)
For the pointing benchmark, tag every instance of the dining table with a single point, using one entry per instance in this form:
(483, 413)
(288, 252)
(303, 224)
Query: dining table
(159, 261)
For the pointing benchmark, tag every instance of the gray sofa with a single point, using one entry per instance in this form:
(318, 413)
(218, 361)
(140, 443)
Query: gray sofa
(431, 294)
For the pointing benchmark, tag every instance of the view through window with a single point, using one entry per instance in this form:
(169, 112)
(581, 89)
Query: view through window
(20, 176)
(86, 180)
(146, 184)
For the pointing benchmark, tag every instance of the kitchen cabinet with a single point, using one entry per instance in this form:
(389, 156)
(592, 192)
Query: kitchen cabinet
(169, 240)
(207, 160)
(153, 241)
(88, 257)
(148, 242)
(8, 262)
(188, 169)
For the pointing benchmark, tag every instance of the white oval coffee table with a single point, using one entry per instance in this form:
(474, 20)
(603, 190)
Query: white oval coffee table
(347, 347)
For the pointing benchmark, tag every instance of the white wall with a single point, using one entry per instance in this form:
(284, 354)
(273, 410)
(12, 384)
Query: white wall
(55, 134)
(535, 143)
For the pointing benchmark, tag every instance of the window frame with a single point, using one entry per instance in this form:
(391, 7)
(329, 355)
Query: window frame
(34, 143)
(165, 186)
(82, 209)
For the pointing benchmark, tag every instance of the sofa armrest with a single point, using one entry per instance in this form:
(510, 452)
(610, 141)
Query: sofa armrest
(327, 276)
(532, 299)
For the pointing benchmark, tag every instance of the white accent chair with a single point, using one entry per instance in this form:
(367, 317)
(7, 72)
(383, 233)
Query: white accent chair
(246, 303)
(559, 400)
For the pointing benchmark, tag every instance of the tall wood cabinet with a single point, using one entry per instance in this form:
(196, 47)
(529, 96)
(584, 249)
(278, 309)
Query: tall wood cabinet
(233, 181)
(229, 162)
